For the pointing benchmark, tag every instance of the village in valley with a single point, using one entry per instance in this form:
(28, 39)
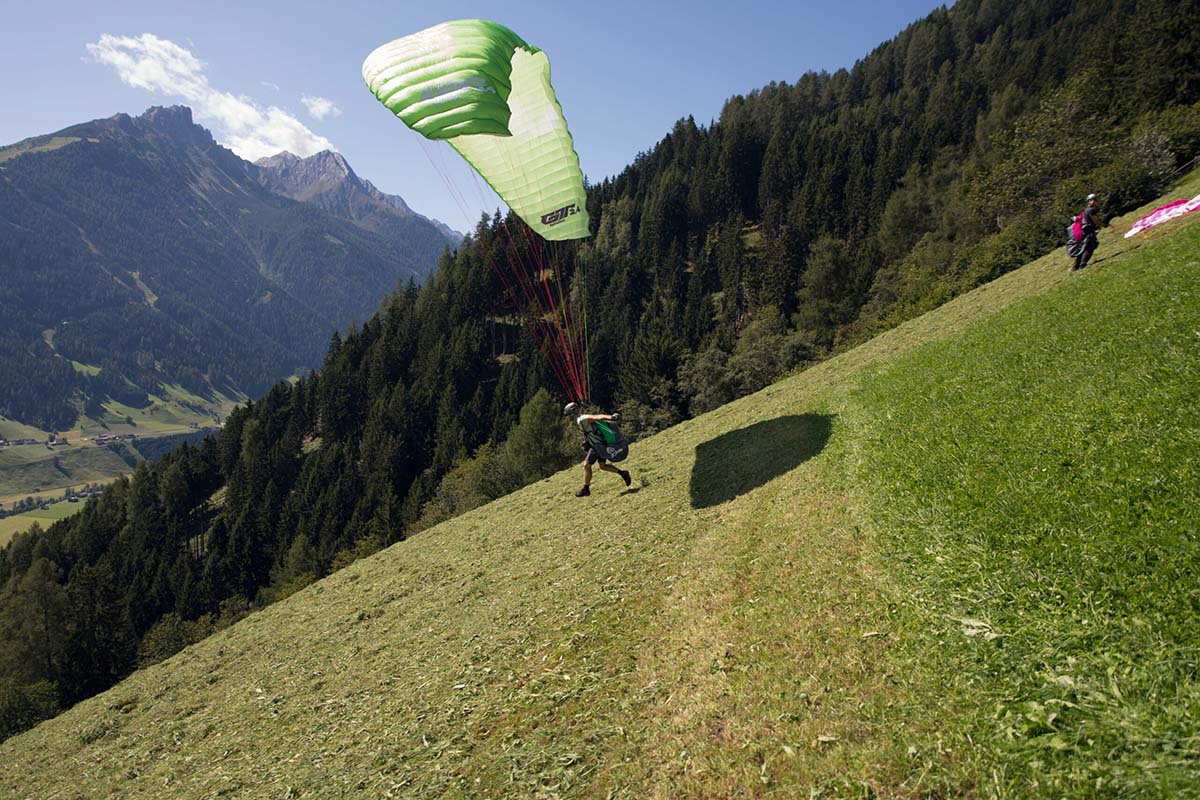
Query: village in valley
(59, 440)
(42, 499)
(70, 495)
(53, 441)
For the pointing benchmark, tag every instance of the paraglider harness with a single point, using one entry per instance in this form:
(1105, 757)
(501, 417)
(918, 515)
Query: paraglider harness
(1075, 237)
(1082, 231)
(605, 439)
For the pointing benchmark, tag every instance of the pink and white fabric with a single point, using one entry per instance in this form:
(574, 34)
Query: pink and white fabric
(1164, 213)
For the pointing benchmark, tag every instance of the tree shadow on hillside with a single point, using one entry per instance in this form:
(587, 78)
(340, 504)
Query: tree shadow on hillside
(739, 461)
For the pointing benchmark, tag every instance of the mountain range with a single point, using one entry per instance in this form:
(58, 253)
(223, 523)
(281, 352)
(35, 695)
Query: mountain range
(138, 253)
(327, 180)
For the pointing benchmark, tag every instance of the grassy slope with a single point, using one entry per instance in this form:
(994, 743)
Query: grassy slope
(19, 523)
(11, 429)
(949, 562)
(38, 144)
(64, 466)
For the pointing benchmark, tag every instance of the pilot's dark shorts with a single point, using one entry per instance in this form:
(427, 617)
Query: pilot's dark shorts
(592, 458)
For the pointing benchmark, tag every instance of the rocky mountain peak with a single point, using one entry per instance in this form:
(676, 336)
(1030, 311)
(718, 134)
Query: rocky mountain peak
(305, 178)
(174, 120)
(333, 160)
(326, 179)
(281, 160)
(168, 115)
(168, 126)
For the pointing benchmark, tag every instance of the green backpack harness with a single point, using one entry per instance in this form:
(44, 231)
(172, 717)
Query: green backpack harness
(606, 439)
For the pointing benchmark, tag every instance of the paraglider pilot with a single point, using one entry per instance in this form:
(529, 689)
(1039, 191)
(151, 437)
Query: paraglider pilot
(602, 442)
(1091, 223)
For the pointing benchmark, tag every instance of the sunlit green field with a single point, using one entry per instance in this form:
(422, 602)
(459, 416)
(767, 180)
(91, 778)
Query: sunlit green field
(11, 429)
(29, 469)
(10, 526)
(38, 145)
(62, 467)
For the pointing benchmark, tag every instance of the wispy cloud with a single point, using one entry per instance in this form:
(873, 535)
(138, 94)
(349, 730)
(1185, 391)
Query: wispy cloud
(163, 67)
(320, 107)
(272, 86)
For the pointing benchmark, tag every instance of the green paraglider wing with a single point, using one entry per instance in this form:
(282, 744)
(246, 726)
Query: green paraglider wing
(487, 92)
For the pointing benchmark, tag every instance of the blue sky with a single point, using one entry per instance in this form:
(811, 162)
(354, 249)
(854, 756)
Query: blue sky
(270, 74)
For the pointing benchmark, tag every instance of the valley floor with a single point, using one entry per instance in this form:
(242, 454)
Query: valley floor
(96, 451)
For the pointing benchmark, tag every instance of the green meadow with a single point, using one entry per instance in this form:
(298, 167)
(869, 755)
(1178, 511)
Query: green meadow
(24, 474)
(31, 469)
(10, 526)
(957, 561)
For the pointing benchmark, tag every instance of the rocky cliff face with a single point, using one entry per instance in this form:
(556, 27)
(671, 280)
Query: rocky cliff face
(327, 180)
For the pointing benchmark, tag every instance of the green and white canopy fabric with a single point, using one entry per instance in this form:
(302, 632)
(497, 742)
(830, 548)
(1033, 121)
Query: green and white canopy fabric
(487, 92)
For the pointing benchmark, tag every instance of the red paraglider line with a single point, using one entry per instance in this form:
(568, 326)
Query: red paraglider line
(564, 359)
(540, 337)
(535, 314)
(566, 324)
(564, 319)
(572, 343)
(567, 357)
(560, 311)
(577, 345)
(539, 327)
(529, 287)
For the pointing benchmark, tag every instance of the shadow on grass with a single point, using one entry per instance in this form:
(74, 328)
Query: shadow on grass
(739, 461)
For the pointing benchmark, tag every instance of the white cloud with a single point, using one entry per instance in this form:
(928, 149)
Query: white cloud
(320, 107)
(163, 67)
(272, 86)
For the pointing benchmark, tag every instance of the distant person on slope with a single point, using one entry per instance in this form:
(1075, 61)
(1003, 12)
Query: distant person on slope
(601, 441)
(1091, 223)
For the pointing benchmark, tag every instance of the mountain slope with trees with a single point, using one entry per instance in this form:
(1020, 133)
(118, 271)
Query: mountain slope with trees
(138, 252)
(806, 217)
(836, 206)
